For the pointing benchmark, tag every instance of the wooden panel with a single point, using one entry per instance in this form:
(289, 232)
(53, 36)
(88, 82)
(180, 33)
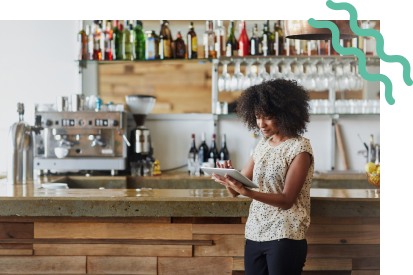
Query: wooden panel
(16, 230)
(371, 220)
(223, 229)
(238, 263)
(336, 220)
(347, 251)
(366, 263)
(113, 249)
(113, 230)
(86, 219)
(223, 245)
(365, 272)
(107, 241)
(313, 264)
(330, 272)
(27, 245)
(206, 220)
(16, 252)
(244, 219)
(195, 266)
(343, 234)
(42, 265)
(121, 265)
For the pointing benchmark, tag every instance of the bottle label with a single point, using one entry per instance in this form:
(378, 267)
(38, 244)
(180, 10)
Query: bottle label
(194, 44)
(167, 48)
(229, 50)
(150, 48)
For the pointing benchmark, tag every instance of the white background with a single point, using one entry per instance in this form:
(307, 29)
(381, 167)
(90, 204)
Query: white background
(395, 123)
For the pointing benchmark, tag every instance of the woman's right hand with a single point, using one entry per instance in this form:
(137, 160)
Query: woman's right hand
(228, 165)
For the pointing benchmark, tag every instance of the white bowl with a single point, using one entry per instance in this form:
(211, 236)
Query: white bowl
(61, 152)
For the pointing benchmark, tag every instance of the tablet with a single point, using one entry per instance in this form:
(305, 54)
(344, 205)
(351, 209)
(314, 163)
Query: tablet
(232, 173)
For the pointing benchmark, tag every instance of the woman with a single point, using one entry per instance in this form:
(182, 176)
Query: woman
(282, 165)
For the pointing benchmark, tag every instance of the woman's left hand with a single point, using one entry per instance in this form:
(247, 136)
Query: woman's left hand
(230, 182)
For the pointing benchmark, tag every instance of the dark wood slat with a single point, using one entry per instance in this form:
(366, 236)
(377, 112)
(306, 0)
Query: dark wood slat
(207, 220)
(16, 230)
(307, 273)
(346, 251)
(366, 263)
(16, 246)
(86, 219)
(106, 241)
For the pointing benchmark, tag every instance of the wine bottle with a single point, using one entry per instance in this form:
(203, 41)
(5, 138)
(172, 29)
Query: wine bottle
(83, 44)
(191, 43)
(224, 154)
(116, 44)
(179, 46)
(96, 40)
(121, 30)
(213, 152)
(244, 44)
(209, 40)
(102, 34)
(107, 38)
(267, 43)
(232, 43)
(256, 47)
(203, 151)
(138, 40)
(126, 41)
(192, 154)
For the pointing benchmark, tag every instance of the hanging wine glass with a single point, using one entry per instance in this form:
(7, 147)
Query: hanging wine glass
(238, 77)
(286, 69)
(299, 72)
(274, 69)
(224, 81)
(262, 72)
(249, 78)
(321, 79)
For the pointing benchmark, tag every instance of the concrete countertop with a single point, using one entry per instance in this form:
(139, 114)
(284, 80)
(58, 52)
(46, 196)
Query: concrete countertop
(31, 200)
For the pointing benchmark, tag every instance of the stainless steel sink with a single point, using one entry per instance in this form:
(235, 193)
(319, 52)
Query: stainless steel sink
(95, 182)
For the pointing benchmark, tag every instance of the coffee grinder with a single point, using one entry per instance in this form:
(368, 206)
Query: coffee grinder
(141, 149)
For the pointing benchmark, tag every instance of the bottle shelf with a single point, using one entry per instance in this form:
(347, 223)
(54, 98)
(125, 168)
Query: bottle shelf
(163, 61)
(330, 114)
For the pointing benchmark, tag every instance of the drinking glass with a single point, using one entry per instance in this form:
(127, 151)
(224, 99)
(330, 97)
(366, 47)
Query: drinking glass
(310, 75)
(321, 78)
(224, 81)
(358, 79)
(262, 72)
(274, 69)
(249, 78)
(238, 77)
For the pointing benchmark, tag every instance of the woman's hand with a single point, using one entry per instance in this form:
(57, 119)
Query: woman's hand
(233, 186)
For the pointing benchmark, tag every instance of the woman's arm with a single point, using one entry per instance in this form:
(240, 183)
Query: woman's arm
(294, 181)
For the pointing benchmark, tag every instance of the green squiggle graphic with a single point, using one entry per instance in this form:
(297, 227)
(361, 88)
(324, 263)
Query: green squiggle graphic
(377, 35)
(357, 52)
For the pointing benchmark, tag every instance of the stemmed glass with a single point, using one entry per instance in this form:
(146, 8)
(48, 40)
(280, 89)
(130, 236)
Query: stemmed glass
(249, 78)
(321, 78)
(299, 72)
(224, 81)
(357, 77)
(262, 72)
(286, 69)
(274, 70)
(238, 77)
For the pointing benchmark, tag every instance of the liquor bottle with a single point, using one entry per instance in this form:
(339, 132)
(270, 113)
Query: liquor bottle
(220, 43)
(266, 40)
(191, 43)
(213, 152)
(83, 44)
(278, 38)
(256, 46)
(209, 40)
(150, 46)
(244, 44)
(203, 151)
(165, 49)
(102, 26)
(121, 30)
(90, 42)
(108, 39)
(116, 45)
(126, 41)
(232, 43)
(96, 40)
(271, 36)
(138, 42)
(224, 154)
(192, 155)
(179, 46)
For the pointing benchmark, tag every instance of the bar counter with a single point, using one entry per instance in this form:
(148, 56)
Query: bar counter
(169, 231)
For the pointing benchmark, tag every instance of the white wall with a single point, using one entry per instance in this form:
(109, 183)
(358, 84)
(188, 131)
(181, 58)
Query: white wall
(36, 65)
(171, 137)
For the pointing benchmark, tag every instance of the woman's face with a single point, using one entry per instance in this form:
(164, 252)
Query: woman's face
(267, 125)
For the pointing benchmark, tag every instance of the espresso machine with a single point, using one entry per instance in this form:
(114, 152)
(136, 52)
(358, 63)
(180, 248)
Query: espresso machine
(81, 139)
(141, 148)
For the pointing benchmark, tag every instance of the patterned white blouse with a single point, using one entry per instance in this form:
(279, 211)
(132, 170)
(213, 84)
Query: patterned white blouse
(266, 222)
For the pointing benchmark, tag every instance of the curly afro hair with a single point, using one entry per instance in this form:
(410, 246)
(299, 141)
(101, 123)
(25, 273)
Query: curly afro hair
(284, 100)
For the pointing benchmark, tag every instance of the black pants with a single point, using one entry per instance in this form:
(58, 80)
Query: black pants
(279, 257)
